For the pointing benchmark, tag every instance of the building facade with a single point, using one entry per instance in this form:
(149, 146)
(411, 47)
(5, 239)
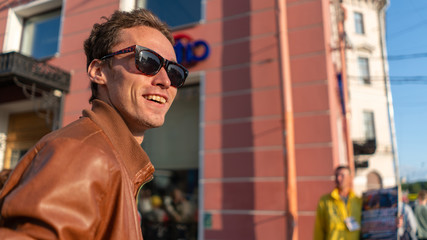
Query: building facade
(369, 101)
(255, 134)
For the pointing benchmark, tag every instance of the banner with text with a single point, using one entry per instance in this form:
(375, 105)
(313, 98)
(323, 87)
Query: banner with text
(379, 212)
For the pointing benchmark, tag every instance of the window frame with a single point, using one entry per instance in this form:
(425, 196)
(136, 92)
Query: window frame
(364, 68)
(359, 25)
(369, 131)
(25, 21)
(186, 25)
(17, 16)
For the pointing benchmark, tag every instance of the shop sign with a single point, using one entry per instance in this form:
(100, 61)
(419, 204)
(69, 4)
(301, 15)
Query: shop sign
(189, 51)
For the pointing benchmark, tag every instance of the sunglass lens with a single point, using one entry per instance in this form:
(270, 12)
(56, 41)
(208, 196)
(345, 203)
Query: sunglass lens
(176, 75)
(148, 63)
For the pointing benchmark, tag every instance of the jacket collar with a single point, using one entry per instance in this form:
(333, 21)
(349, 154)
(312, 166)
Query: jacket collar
(336, 195)
(134, 158)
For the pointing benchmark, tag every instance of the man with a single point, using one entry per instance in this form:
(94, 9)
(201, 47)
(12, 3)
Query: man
(339, 213)
(421, 215)
(81, 181)
(406, 221)
(180, 212)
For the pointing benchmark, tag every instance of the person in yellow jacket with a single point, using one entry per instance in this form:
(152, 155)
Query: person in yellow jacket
(339, 212)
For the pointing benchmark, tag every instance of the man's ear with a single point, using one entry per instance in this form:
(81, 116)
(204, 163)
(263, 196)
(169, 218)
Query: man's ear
(95, 73)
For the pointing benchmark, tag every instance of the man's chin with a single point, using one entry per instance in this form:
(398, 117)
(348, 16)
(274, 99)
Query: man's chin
(149, 125)
(142, 127)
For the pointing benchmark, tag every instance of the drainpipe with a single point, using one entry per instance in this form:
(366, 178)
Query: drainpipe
(291, 207)
(346, 115)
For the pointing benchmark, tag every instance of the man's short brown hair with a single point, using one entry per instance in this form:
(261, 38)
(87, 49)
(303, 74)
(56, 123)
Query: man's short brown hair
(341, 167)
(105, 36)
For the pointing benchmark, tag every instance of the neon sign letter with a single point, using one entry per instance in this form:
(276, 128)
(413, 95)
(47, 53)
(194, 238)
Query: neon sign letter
(186, 52)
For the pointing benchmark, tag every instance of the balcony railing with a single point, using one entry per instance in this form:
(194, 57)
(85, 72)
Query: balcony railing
(28, 70)
(363, 147)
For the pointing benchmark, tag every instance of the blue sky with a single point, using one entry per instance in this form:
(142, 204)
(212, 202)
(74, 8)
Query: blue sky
(406, 34)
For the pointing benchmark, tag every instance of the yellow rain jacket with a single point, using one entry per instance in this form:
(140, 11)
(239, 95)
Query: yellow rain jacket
(331, 213)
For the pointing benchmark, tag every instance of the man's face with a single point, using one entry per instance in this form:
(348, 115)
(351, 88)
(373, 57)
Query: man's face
(131, 92)
(343, 179)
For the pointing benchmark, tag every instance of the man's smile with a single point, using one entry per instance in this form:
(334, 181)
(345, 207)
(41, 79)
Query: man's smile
(156, 98)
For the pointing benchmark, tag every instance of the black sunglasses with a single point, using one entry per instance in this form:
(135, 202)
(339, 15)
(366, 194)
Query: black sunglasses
(148, 62)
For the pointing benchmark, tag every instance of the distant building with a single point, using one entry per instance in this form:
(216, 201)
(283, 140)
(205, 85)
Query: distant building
(369, 106)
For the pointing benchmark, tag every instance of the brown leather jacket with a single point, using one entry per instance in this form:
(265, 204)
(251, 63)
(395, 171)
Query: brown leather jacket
(79, 182)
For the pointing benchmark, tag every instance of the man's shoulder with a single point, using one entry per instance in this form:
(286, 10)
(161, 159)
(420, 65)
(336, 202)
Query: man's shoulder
(354, 196)
(80, 136)
(78, 147)
(419, 208)
(333, 195)
(325, 202)
(326, 197)
(80, 128)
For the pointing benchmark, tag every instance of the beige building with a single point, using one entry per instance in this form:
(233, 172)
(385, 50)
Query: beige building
(369, 106)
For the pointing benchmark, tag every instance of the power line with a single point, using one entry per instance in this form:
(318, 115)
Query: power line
(407, 29)
(394, 79)
(390, 57)
(406, 56)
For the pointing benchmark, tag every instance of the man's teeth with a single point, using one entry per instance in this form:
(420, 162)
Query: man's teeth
(155, 98)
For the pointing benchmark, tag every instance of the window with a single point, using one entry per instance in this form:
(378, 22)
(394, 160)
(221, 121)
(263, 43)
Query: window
(174, 152)
(175, 13)
(16, 155)
(369, 123)
(41, 34)
(364, 75)
(358, 23)
(41, 19)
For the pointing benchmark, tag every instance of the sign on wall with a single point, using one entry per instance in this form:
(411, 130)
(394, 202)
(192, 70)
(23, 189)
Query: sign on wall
(188, 51)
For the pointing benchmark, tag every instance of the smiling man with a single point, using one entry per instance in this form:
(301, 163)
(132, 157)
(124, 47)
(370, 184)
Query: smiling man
(81, 182)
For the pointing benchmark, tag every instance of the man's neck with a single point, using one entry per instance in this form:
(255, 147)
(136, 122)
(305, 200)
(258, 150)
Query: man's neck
(139, 136)
(139, 139)
(344, 192)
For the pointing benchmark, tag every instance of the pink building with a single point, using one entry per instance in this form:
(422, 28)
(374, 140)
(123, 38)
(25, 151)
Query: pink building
(256, 132)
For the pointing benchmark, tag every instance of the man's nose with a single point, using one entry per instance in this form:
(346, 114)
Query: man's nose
(161, 79)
